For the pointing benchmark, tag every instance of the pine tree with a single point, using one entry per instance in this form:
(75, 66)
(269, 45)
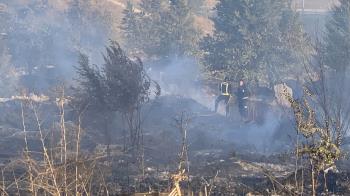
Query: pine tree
(131, 27)
(121, 85)
(183, 35)
(150, 22)
(337, 40)
(252, 39)
(162, 29)
(142, 29)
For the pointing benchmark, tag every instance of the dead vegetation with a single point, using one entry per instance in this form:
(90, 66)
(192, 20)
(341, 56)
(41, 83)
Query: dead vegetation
(322, 121)
(56, 169)
(62, 168)
(111, 134)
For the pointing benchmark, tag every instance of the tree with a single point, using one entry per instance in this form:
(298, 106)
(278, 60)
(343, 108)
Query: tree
(121, 85)
(184, 36)
(322, 120)
(254, 39)
(131, 27)
(337, 39)
(141, 29)
(161, 28)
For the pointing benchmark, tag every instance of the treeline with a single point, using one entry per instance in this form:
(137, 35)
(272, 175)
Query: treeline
(262, 41)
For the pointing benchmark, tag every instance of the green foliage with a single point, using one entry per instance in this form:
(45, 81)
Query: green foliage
(160, 29)
(130, 26)
(255, 39)
(121, 85)
(183, 34)
(127, 82)
(337, 39)
(92, 89)
(322, 144)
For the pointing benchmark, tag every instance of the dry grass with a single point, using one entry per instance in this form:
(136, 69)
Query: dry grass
(58, 169)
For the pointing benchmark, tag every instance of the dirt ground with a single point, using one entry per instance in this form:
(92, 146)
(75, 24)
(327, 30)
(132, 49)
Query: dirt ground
(225, 155)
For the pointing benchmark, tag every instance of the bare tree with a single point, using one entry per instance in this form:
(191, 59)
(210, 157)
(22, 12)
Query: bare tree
(322, 118)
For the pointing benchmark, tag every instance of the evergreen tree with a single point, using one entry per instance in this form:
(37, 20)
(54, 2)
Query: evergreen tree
(253, 39)
(131, 27)
(162, 28)
(142, 31)
(153, 36)
(337, 40)
(183, 34)
(122, 85)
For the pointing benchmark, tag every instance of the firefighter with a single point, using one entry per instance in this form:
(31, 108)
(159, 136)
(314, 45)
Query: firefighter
(225, 94)
(242, 98)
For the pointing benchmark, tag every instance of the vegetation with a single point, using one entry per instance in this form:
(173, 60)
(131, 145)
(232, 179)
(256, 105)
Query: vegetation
(255, 35)
(121, 85)
(43, 40)
(108, 131)
(337, 38)
(56, 170)
(160, 29)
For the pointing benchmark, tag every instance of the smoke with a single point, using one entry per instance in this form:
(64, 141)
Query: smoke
(181, 76)
(44, 40)
(275, 135)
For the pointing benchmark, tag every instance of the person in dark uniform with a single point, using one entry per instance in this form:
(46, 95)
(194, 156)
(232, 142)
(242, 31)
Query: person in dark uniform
(225, 94)
(242, 98)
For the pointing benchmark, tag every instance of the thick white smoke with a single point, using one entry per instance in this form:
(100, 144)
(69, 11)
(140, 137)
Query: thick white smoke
(181, 77)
